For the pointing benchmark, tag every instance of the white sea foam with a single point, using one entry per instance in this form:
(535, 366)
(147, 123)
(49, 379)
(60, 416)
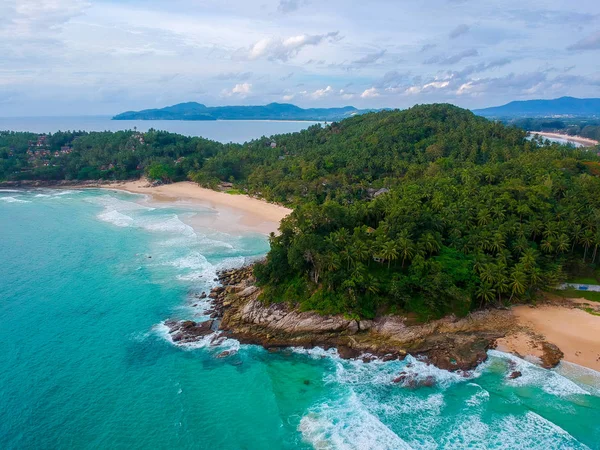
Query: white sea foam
(531, 375)
(67, 192)
(171, 225)
(347, 424)
(116, 218)
(9, 190)
(215, 341)
(13, 200)
(526, 431)
(41, 195)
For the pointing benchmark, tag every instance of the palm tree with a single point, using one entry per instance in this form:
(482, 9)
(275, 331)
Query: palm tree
(587, 239)
(429, 242)
(485, 292)
(562, 244)
(577, 232)
(518, 281)
(547, 245)
(388, 251)
(361, 250)
(406, 248)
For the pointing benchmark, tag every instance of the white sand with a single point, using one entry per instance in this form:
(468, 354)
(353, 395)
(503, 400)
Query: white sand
(581, 140)
(232, 212)
(574, 331)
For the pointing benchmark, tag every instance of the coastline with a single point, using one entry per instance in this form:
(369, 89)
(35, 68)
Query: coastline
(232, 212)
(563, 323)
(252, 213)
(586, 142)
(544, 334)
(523, 330)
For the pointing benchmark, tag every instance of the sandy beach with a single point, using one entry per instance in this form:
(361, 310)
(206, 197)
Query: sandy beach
(575, 331)
(581, 140)
(232, 212)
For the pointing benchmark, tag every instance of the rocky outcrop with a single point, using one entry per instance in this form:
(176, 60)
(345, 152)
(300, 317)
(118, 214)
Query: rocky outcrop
(187, 331)
(451, 343)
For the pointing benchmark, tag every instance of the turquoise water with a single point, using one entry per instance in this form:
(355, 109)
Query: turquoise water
(88, 277)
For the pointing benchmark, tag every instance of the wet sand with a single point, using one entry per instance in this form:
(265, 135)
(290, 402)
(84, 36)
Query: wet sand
(230, 212)
(574, 331)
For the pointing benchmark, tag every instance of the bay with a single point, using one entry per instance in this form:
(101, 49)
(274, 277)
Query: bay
(236, 131)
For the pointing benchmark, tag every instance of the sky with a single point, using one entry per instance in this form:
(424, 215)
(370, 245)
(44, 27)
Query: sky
(96, 57)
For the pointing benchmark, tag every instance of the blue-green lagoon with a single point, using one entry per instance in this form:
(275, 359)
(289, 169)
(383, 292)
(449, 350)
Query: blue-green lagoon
(87, 279)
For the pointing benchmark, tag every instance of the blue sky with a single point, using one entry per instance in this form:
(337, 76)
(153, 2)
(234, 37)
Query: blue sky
(72, 57)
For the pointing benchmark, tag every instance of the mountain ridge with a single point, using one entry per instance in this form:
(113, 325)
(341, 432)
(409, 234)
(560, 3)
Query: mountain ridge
(271, 111)
(563, 106)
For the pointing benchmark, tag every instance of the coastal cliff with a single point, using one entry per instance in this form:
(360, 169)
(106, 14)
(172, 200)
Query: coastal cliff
(450, 343)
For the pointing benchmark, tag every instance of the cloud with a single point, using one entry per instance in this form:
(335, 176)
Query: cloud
(459, 31)
(370, 93)
(279, 49)
(371, 58)
(428, 47)
(591, 42)
(452, 59)
(238, 76)
(26, 18)
(320, 93)
(427, 87)
(525, 83)
(240, 90)
(288, 6)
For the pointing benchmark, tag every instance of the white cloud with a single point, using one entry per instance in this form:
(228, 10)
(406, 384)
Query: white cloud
(320, 93)
(280, 49)
(240, 90)
(370, 93)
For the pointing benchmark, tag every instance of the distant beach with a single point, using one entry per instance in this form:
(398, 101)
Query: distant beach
(585, 142)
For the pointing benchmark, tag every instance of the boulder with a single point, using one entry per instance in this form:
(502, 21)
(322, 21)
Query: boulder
(248, 291)
(551, 355)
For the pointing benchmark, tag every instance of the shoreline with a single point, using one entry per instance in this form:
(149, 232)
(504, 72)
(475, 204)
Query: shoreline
(563, 323)
(586, 142)
(232, 210)
(544, 334)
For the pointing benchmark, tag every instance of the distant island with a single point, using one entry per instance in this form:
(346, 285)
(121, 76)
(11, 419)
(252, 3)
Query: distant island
(557, 108)
(272, 111)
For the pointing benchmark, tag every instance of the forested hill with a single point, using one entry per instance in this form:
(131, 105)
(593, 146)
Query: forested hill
(345, 161)
(475, 214)
(429, 210)
(272, 111)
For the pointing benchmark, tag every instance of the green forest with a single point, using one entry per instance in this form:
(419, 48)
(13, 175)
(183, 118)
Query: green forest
(430, 210)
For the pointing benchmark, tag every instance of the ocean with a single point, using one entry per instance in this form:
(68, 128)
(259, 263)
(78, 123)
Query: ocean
(87, 279)
(225, 131)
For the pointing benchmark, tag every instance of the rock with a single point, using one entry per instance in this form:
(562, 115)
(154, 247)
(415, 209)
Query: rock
(188, 330)
(224, 354)
(551, 356)
(347, 352)
(515, 374)
(353, 327)
(203, 295)
(212, 295)
(248, 291)
(365, 325)
(413, 381)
